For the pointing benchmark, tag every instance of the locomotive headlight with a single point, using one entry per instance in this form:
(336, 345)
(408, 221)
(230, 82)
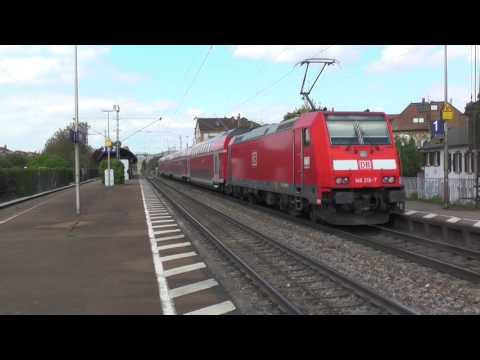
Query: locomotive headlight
(388, 179)
(342, 180)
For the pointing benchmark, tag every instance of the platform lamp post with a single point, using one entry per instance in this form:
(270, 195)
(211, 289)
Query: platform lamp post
(108, 144)
(116, 108)
(77, 152)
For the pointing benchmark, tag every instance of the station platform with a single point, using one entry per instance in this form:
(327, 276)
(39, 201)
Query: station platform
(454, 212)
(100, 262)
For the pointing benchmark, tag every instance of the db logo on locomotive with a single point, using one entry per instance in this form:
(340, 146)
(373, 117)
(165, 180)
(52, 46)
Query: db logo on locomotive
(364, 164)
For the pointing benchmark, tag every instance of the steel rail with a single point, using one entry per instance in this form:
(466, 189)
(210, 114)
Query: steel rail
(438, 244)
(363, 291)
(278, 298)
(431, 262)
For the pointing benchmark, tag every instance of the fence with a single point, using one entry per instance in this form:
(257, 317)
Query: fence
(17, 182)
(461, 190)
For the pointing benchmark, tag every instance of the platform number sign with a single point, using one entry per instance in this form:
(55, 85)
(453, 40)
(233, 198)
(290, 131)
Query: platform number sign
(438, 128)
(254, 159)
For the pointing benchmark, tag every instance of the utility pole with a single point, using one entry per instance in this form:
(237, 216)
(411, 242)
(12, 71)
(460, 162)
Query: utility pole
(108, 144)
(77, 153)
(445, 140)
(180, 136)
(116, 108)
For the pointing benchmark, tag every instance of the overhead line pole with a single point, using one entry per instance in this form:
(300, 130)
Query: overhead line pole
(445, 149)
(117, 147)
(76, 138)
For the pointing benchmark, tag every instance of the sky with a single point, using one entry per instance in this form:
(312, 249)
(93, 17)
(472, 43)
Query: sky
(177, 83)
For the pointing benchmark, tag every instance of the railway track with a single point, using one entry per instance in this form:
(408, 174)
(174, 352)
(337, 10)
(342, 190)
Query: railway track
(298, 283)
(455, 260)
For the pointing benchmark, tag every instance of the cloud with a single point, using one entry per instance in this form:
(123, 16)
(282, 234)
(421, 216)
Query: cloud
(402, 57)
(459, 95)
(295, 53)
(39, 64)
(29, 120)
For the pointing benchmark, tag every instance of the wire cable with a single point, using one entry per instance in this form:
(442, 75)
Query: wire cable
(183, 97)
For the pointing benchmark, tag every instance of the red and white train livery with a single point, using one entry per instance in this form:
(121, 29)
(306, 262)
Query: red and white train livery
(341, 167)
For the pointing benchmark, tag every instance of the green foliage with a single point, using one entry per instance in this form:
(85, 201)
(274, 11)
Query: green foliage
(17, 182)
(298, 111)
(118, 170)
(60, 145)
(412, 160)
(48, 161)
(14, 160)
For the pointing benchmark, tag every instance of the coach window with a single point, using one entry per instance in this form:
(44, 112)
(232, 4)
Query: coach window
(306, 137)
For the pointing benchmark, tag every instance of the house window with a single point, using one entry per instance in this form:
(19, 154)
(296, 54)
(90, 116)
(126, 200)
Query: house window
(306, 137)
(437, 158)
(457, 162)
(418, 120)
(469, 162)
(449, 162)
(431, 159)
(434, 107)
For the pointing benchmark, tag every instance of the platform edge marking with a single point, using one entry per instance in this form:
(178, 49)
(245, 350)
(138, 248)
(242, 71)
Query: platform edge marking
(192, 288)
(168, 307)
(217, 309)
(184, 269)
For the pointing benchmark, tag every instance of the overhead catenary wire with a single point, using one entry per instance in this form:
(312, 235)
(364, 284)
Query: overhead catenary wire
(276, 82)
(182, 99)
(266, 89)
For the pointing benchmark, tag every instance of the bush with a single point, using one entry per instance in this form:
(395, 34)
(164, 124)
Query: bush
(16, 182)
(118, 170)
(48, 161)
(13, 160)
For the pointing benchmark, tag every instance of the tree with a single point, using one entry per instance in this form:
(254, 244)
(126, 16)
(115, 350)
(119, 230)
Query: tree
(298, 111)
(118, 170)
(61, 145)
(412, 160)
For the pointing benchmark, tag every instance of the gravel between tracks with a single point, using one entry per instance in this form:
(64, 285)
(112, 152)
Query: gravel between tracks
(247, 297)
(419, 287)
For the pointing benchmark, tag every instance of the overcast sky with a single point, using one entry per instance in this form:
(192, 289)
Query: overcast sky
(178, 83)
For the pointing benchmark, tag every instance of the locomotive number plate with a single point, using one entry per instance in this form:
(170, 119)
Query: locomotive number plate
(364, 164)
(366, 180)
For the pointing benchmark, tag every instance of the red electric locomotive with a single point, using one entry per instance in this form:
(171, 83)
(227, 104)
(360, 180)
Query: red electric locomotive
(340, 167)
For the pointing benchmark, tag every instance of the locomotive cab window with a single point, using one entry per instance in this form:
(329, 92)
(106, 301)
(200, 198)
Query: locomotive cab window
(306, 137)
(358, 130)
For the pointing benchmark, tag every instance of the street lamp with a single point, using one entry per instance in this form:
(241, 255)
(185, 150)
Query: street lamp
(108, 143)
(77, 151)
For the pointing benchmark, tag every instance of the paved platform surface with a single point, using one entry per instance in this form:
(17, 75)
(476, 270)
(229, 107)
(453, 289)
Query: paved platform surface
(457, 212)
(53, 262)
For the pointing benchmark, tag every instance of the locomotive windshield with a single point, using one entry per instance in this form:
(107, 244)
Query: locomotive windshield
(358, 130)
